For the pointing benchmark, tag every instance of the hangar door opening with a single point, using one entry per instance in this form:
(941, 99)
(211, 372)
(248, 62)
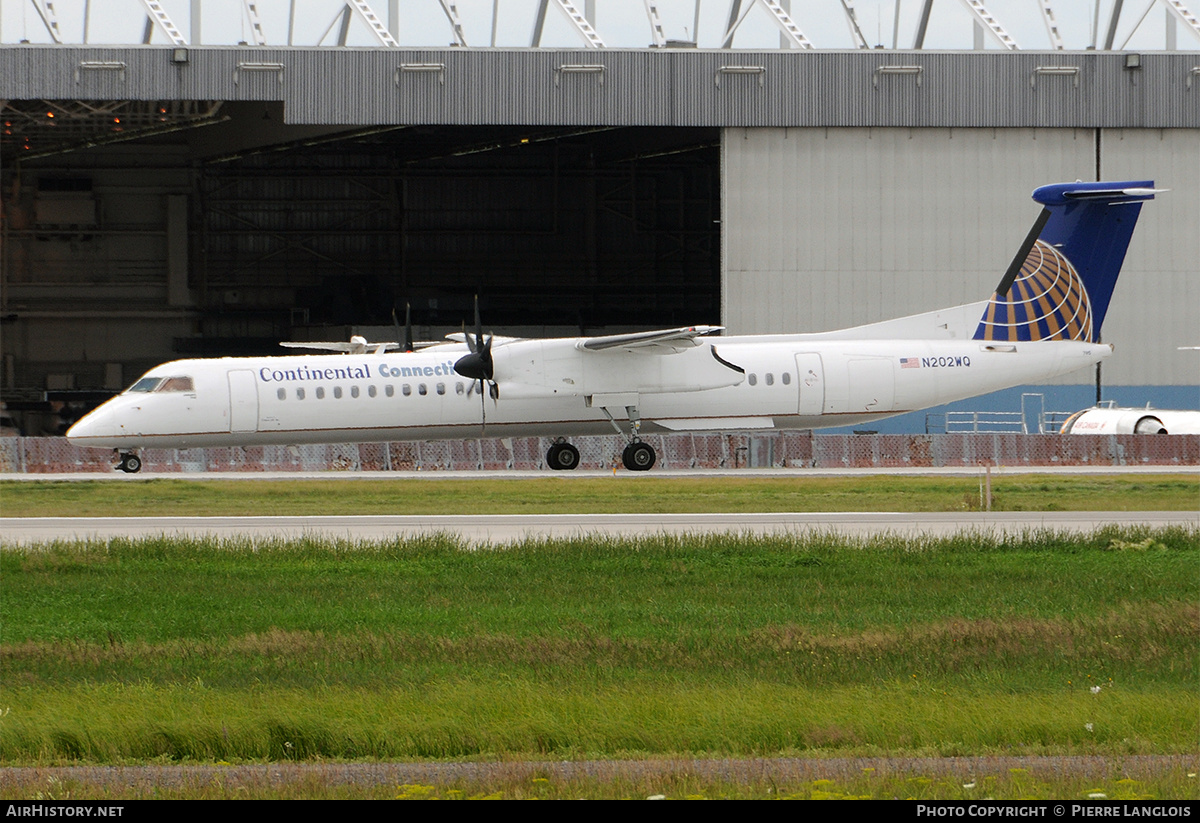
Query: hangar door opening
(558, 231)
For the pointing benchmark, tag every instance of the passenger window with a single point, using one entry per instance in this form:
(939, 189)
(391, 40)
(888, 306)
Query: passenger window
(389, 390)
(299, 394)
(770, 378)
(354, 391)
(441, 388)
(787, 379)
(371, 390)
(337, 392)
(458, 388)
(320, 392)
(422, 390)
(753, 379)
(407, 390)
(281, 394)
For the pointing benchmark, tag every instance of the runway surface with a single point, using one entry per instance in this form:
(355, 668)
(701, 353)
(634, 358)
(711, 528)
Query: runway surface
(509, 527)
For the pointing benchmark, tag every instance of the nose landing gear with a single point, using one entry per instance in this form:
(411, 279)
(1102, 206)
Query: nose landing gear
(129, 463)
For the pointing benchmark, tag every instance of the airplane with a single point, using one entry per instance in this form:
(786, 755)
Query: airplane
(1043, 321)
(1111, 419)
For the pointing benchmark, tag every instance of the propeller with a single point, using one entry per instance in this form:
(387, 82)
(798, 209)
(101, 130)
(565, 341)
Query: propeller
(408, 333)
(478, 365)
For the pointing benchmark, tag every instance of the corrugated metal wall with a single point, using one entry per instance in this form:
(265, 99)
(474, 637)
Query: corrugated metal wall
(829, 228)
(635, 87)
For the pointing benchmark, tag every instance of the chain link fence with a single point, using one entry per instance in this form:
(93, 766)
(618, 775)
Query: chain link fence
(54, 455)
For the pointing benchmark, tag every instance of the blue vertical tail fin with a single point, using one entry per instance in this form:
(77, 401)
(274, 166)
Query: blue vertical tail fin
(1061, 281)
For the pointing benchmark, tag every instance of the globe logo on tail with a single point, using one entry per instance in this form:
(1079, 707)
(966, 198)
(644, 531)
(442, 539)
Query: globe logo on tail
(1047, 301)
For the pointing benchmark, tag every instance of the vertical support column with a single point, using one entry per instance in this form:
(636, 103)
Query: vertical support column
(1111, 34)
(539, 23)
(923, 25)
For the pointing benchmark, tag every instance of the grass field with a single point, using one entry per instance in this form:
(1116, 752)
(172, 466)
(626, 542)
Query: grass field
(621, 494)
(203, 651)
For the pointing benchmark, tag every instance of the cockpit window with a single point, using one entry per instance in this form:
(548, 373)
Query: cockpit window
(176, 384)
(145, 384)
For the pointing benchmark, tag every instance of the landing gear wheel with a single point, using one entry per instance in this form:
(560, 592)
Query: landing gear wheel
(130, 463)
(638, 457)
(562, 457)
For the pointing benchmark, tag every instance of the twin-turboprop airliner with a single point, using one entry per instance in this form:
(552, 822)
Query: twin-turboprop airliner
(1043, 321)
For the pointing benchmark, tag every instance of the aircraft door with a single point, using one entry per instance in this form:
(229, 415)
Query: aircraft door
(811, 384)
(243, 401)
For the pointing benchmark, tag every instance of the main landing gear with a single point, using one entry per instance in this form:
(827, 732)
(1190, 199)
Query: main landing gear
(637, 456)
(129, 463)
(562, 456)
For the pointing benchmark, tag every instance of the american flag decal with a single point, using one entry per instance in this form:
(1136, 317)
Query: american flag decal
(910, 362)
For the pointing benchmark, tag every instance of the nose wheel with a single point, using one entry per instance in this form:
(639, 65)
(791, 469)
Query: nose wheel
(130, 463)
(562, 457)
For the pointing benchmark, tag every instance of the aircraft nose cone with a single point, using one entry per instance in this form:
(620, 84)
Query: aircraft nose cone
(98, 423)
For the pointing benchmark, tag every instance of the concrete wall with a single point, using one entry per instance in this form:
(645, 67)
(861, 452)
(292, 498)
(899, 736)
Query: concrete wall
(828, 228)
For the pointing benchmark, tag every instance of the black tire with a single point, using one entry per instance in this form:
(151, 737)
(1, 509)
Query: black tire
(562, 457)
(638, 457)
(131, 464)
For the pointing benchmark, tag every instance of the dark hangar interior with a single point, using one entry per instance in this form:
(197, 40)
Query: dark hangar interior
(247, 231)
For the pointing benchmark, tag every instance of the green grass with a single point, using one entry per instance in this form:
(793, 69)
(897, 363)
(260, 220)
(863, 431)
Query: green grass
(619, 494)
(202, 650)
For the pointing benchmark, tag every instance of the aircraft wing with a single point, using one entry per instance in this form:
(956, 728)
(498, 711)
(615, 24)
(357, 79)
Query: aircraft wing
(497, 339)
(358, 346)
(347, 347)
(667, 339)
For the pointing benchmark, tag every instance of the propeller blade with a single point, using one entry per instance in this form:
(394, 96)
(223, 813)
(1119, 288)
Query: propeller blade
(470, 340)
(479, 327)
(408, 335)
(477, 365)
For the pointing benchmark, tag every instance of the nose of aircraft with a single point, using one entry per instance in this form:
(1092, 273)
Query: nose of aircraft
(93, 425)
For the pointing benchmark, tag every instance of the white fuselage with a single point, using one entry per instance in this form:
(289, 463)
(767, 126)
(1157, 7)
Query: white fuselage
(556, 388)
